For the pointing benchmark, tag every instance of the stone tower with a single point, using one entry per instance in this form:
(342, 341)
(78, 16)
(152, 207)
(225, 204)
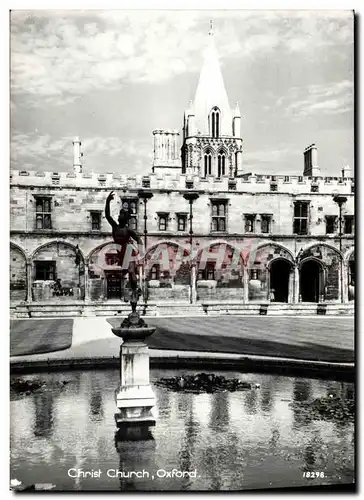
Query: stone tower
(212, 143)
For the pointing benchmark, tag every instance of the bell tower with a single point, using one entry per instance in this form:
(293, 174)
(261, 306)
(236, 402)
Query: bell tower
(212, 143)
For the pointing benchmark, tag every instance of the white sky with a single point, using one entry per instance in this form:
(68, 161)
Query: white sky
(111, 77)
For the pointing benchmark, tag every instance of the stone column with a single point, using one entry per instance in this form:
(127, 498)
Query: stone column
(245, 285)
(340, 282)
(345, 283)
(296, 287)
(193, 284)
(87, 284)
(29, 281)
(291, 282)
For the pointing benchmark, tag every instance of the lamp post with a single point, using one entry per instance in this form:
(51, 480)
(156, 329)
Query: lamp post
(145, 196)
(340, 200)
(191, 197)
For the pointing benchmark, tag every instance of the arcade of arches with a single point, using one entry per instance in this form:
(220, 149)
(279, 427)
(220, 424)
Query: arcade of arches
(219, 272)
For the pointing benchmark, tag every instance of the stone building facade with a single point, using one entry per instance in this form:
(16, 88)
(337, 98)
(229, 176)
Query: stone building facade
(212, 231)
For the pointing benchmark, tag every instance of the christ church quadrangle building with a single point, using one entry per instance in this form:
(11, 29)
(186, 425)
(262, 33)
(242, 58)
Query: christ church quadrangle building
(233, 240)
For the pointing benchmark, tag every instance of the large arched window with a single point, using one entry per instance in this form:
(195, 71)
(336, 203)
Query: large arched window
(207, 163)
(215, 122)
(221, 160)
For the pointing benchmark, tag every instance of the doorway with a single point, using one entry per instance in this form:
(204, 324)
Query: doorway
(279, 280)
(113, 284)
(311, 281)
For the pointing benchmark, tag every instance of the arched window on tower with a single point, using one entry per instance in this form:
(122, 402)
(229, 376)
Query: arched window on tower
(221, 161)
(207, 163)
(215, 122)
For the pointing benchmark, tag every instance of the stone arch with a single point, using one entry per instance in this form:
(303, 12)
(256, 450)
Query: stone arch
(97, 248)
(18, 273)
(349, 254)
(219, 269)
(331, 260)
(57, 260)
(313, 277)
(280, 279)
(262, 280)
(350, 273)
(57, 242)
(19, 249)
(167, 271)
(278, 246)
(309, 247)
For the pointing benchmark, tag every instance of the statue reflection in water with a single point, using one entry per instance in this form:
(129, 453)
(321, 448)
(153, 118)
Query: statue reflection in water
(136, 454)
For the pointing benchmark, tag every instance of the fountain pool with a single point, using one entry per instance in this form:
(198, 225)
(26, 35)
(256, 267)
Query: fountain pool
(65, 434)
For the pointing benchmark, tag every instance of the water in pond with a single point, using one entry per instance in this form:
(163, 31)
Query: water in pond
(230, 440)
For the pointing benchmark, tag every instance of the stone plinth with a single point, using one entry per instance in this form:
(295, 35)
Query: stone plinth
(135, 397)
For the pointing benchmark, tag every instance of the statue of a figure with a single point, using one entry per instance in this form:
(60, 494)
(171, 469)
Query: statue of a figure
(122, 235)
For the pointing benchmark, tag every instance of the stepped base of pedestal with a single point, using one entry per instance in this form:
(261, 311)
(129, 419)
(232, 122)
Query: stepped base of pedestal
(125, 422)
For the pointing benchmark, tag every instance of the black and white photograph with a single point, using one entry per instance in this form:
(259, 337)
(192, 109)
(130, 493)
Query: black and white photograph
(182, 250)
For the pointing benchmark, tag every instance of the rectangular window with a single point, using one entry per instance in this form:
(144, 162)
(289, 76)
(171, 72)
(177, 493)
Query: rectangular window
(43, 213)
(331, 224)
(45, 270)
(208, 273)
(300, 218)
(155, 272)
(218, 215)
(274, 187)
(162, 222)
(348, 224)
(265, 223)
(249, 223)
(314, 188)
(131, 204)
(95, 221)
(181, 222)
(111, 259)
(286, 178)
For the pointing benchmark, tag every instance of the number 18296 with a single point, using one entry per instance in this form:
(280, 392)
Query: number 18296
(312, 475)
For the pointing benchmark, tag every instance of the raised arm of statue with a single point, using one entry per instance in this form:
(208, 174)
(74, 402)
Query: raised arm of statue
(109, 219)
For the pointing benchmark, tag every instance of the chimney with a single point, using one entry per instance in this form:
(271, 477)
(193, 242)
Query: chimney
(346, 171)
(77, 155)
(311, 167)
(236, 121)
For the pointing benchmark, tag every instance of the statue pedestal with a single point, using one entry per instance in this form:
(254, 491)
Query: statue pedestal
(134, 398)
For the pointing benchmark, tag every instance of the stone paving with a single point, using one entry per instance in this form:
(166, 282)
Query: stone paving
(306, 338)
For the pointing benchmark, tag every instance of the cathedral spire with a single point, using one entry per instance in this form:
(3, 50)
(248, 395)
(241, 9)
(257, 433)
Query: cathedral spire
(211, 92)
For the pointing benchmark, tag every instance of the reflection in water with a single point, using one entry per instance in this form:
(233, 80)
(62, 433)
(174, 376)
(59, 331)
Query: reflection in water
(230, 438)
(302, 390)
(219, 413)
(43, 422)
(164, 403)
(250, 402)
(266, 399)
(190, 437)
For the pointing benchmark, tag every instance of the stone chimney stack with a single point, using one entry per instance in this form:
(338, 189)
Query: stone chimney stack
(311, 167)
(166, 151)
(346, 171)
(77, 155)
(237, 121)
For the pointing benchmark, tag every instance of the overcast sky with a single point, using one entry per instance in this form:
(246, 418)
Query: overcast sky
(112, 77)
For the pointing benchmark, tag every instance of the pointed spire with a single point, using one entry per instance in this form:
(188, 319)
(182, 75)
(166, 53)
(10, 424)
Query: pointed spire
(211, 32)
(237, 113)
(211, 91)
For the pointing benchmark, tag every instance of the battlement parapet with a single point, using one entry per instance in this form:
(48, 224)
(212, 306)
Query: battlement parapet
(288, 184)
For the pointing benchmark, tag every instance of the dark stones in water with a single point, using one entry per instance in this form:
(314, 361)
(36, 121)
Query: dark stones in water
(203, 382)
(28, 386)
